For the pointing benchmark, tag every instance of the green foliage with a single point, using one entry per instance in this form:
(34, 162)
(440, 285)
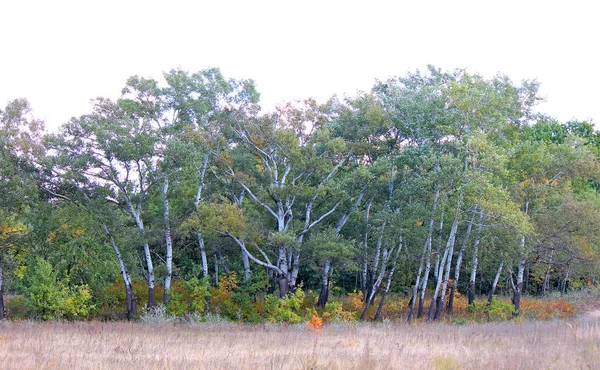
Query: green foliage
(308, 183)
(285, 309)
(495, 311)
(189, 297)
(49, 298)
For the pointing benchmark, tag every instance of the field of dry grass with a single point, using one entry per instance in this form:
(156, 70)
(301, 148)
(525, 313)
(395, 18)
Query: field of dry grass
(94, 345)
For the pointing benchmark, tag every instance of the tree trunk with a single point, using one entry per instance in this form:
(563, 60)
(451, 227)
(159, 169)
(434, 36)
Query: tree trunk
(329, 279)
(271, 277)
(377, 283)
(519, 287)
(365, 263)
(457, 267)
(324, 284)
(389, 282)
(471, 286)
(371, 277)
(202, 249)
(438, 285)
(2, 312)
(129, 293)
(423, 255)
(246, 263)
(216, 271)
(436, 265)
(295, 270)
(546, 283)
(450, 247)
(423, 287)
(168, 243)
(517, 290)
(495, 283)
(201, 174)
(147, 254)
(283, 275)
(563, 287)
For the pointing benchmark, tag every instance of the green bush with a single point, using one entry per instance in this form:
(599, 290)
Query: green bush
(285, 309)
(49, 298)
(495, 311)
(499, 310)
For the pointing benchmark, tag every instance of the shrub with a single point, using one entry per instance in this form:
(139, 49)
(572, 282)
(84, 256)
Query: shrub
(49, 298)
(284, 309)
(157, 315)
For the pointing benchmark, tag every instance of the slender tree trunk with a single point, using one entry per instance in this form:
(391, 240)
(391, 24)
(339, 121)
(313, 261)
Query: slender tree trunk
(272, 281)
(389, 282)
(130, 300)
(438, 286)
(283, 274)
(457, 267)
(423, 287)
(564, 281)
(201, 246)
(422, 262)
(168, 243)
(147, 253)
(517, 290)
(365, 260)
(450, 247)
(216, 271)
(2, 311)
(202, 249)
(371, 282)
(295, 270)
(324, 284)
(471, 286)
(495, 283)
(246, 263)
(546, 283)
(329, 279)
(439, 247)
(377, 283)
(436, 266)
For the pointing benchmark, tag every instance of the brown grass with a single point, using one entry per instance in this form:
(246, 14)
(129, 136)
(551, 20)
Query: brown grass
(94, 345)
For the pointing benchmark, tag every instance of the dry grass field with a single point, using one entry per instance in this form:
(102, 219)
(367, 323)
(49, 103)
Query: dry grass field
(573, 344)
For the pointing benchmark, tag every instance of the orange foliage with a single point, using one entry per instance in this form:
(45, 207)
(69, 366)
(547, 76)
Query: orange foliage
(547, 310)
(316, 325)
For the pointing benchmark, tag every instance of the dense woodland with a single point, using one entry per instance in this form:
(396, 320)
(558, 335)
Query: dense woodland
(184, 195)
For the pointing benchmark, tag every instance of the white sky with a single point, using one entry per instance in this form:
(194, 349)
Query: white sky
(59, 54)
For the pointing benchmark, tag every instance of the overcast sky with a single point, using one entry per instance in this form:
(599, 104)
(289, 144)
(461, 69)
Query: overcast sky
(60, 54)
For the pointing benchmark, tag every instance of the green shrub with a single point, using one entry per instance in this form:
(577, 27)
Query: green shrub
(285, 309)
(499, 310)
(495, 311)
(49, 298)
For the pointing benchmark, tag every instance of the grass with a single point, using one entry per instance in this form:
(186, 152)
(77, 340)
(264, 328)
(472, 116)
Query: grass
(118, 345)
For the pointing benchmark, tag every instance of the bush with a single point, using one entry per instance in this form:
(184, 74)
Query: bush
(49, 298)
(285, 309)
(495, 311)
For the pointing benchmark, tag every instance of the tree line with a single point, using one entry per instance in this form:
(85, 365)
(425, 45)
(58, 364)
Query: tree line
(430, 184)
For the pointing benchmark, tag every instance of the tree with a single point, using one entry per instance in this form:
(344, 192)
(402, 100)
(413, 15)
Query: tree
(20, 148)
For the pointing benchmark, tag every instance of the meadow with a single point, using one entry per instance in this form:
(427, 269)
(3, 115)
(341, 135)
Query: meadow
(558, 344)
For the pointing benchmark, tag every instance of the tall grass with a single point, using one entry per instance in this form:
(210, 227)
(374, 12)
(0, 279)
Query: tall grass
(95, 345)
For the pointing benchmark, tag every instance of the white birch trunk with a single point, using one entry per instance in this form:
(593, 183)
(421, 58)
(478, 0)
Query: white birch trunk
(495, 283)
(458, 264)
(450, 247)
(422, 262)
(475, 263)
(130, 300)
(168, 243)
